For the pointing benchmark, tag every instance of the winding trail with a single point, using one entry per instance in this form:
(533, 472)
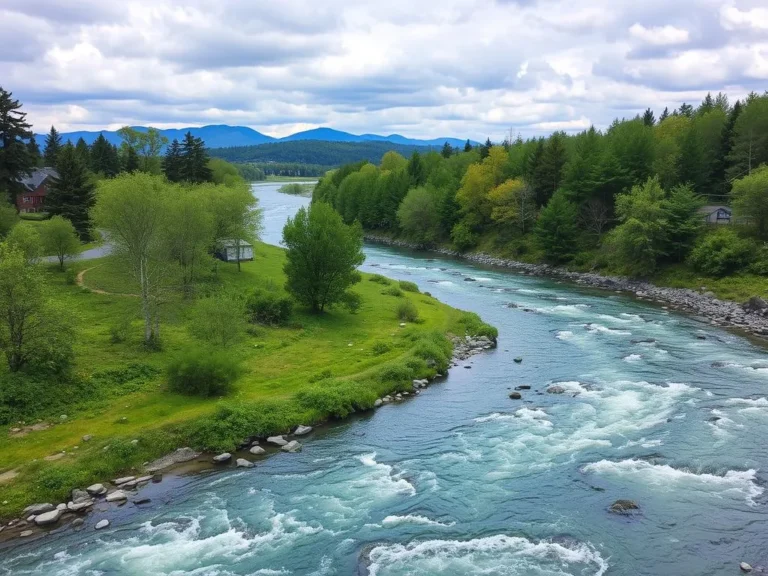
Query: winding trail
(80, 281)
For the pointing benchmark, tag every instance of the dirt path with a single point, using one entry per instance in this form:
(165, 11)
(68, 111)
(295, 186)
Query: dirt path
(80, 282)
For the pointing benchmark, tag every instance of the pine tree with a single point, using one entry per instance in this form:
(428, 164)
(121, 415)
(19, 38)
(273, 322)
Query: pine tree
(15, 160)
(664, 115)
(447, 150)
(34, 151)
(721, 102)
(648, 118)
(691, 168)
(195, 160)
(130, 160)
(549, 171)
(104, 158)
(686, 110)
(707, 105)
(52, 147)
(726, 145)
(173, 162)
(485, 149)
(556, 230)
(71, 193)
(83, 151)
(750, 138)
(467, 146)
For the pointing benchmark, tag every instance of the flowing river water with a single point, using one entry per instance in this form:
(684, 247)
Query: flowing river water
(659, 408)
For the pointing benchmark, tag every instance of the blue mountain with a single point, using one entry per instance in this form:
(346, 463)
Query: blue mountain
(222, 136)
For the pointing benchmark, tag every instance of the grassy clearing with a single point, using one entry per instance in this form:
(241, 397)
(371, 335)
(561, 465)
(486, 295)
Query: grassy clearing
(738, 288)
(316, 368)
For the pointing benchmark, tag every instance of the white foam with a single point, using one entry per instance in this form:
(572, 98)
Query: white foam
(632, 358)
(381, 478)
(564, 335)
(643, 443)
(600, 329)
(413, 519)
(733, 482)
(754, 403)
(518, 556)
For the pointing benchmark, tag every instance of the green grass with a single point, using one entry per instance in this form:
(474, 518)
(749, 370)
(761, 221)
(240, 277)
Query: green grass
(320, 367)
(738, 288)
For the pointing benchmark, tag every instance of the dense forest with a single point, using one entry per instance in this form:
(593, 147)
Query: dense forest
(327, 154)
(627, 199)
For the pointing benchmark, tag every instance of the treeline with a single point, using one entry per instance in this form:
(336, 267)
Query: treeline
(312, 152)
(627, 198)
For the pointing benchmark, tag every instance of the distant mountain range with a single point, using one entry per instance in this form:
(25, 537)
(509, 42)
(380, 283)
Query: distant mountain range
(222, 136)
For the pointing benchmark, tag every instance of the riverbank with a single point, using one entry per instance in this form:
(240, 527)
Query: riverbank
(118, 415)
(751, 318)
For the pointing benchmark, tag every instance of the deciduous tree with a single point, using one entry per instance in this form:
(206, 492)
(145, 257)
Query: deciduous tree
(60, 239)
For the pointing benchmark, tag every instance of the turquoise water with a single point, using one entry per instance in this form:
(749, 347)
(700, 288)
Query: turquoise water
(462, 480)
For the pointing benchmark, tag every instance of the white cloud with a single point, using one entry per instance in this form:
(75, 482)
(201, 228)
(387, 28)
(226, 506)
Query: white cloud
(659, 35)
(734, 19)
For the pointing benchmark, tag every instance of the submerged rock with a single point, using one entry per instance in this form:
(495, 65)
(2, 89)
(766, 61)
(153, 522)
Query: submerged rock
(515, 395)
(518, 360)
(117, 496)
(302, 430)
(555, 390)
(243, 463)
(523, 387)
(102, 524)
(623, 507)
(745, 567)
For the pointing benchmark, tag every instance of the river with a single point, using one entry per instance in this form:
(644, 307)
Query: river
(658, 408)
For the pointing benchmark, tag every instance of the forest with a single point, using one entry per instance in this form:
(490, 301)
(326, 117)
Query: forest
(630, 199)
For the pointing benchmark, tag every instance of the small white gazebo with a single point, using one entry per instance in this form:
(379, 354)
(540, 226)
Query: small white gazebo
(228, 250)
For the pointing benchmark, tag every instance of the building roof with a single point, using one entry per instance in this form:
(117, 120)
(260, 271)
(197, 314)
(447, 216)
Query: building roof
(230, 243)
(37, 177)
(714, 208)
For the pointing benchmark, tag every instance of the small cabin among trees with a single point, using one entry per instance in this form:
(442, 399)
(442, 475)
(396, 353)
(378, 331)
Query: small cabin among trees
(716, 214)
(32, 198)
(228, 251)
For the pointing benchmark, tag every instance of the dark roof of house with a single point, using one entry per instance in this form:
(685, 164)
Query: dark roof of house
(714, 208)
(37, 177)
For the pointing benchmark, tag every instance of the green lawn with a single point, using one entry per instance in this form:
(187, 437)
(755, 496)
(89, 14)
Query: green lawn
(279, 363)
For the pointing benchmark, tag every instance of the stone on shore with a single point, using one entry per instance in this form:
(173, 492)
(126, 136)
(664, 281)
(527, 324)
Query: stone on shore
(87, 438)
(222, 458)
(243, 463)
(96, 489)
(47, 518)
(25, 533)
(78, 495)
(176, 457)
(79, 506)
(292, 446)
(102, 524)
(36, 509)
(117, 496)
(623, 507)
(257, 450)
(302, 430)
(123, 480)
(61, 506)
(378, 402)
(515, 396)
(277, 440)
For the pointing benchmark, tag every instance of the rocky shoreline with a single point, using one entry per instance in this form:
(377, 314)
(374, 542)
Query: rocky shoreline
(750, 317)
(38, 519)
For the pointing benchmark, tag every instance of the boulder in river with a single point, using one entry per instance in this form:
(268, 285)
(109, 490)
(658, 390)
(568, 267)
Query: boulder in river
(78, 495)
(47, 518)
(277, 440)
(222, 458)
(102, 524)
(518, 360)
(523, 387)
(302, 430)
(96, 489)
(515, 396)
(117, 496)
(257, 450)
(555, 390)
(745, 567)
(36, 509)
(243, 463)
(292, 446)
(623, 507)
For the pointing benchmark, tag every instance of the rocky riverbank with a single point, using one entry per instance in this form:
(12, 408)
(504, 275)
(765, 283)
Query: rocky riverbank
(751, 317)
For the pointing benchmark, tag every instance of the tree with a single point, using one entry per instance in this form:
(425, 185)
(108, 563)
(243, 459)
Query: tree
(104, 158)
(189, 230)
(549, 170)
(556, 231)
(52, 146)
(683, 221)
(664, 115)
(71, 193)
(147, 144)
(323, 256)
(594, 216)
(485, 149)
(173, 162)
(34, 151)
(194, 160)
(83, 151)
(512, 203)
(418, 215)
(447, 150)
(393, 161)
(235, 216)
(15, 160)
(686, 110)
(648, 118)
(8, 218)
(473, 195)
(750, 139)
(467, 146)
(130, 160)
(750, 201)
(416, 170)
(60, 239)
(692, 167)
(132, 209)
(26, 240)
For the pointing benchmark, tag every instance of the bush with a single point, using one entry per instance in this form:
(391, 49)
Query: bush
(760, 265)
(351, 301)
(379, 279)
(474, 326)
(324, 375)
(70, 276)
(393, 291)
(722, 252)
(218, 319)
(395, 373)
(463, 238)
(407, 311)
(204, 373)
(380, 348)
(337, 398)
(268, 308)
(118, 332)
(408, 286)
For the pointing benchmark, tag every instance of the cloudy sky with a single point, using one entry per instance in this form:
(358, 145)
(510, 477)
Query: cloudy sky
(422, 68)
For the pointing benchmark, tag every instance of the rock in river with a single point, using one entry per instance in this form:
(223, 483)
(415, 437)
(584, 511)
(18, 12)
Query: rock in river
(243, 463)
(515, 395)
(257, 450)
(48, 517)
(222, 458)
(277, 440)
(117, 496)
(102, 524)
(623, 507)
(302, 430)
(555, 390)
(292, 446)
(96, 489)
(745, 567)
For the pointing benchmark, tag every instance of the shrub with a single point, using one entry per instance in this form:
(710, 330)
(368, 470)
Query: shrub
(462, 236)
(70, 276)
(379, 279)
(408, 286)
(380, 348)
(218, 319)
(395, 373)
(721, 253)
(474, 326)
(119, 331)
(268, 308)
(393, 291)
(324, 375)
(337, 398)
(760, 265)
(200, 372)
(351, 301)
(407, 311)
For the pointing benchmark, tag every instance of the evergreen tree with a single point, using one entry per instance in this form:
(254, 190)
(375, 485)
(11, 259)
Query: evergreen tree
(707, 105)
(726, 145)
(416, 170)
(52, 147)
(549, 171)
(71, 193)
(664, 115)
(34, 151)
(750, 138)
(648, 118)
(467, 146)
(104, 159)
(15, 160)
(581, 173)
(485, 149)
(691, 168)
(447, 150)
(83, 151)
(556, 230)
(195, 165)
(173, 162)
(130, 160)
(686, 110)
(721, 102)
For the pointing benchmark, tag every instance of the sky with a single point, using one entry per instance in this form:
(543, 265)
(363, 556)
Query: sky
(421, 68)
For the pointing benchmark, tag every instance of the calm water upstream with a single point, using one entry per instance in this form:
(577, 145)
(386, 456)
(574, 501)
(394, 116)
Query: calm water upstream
(461, 480)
